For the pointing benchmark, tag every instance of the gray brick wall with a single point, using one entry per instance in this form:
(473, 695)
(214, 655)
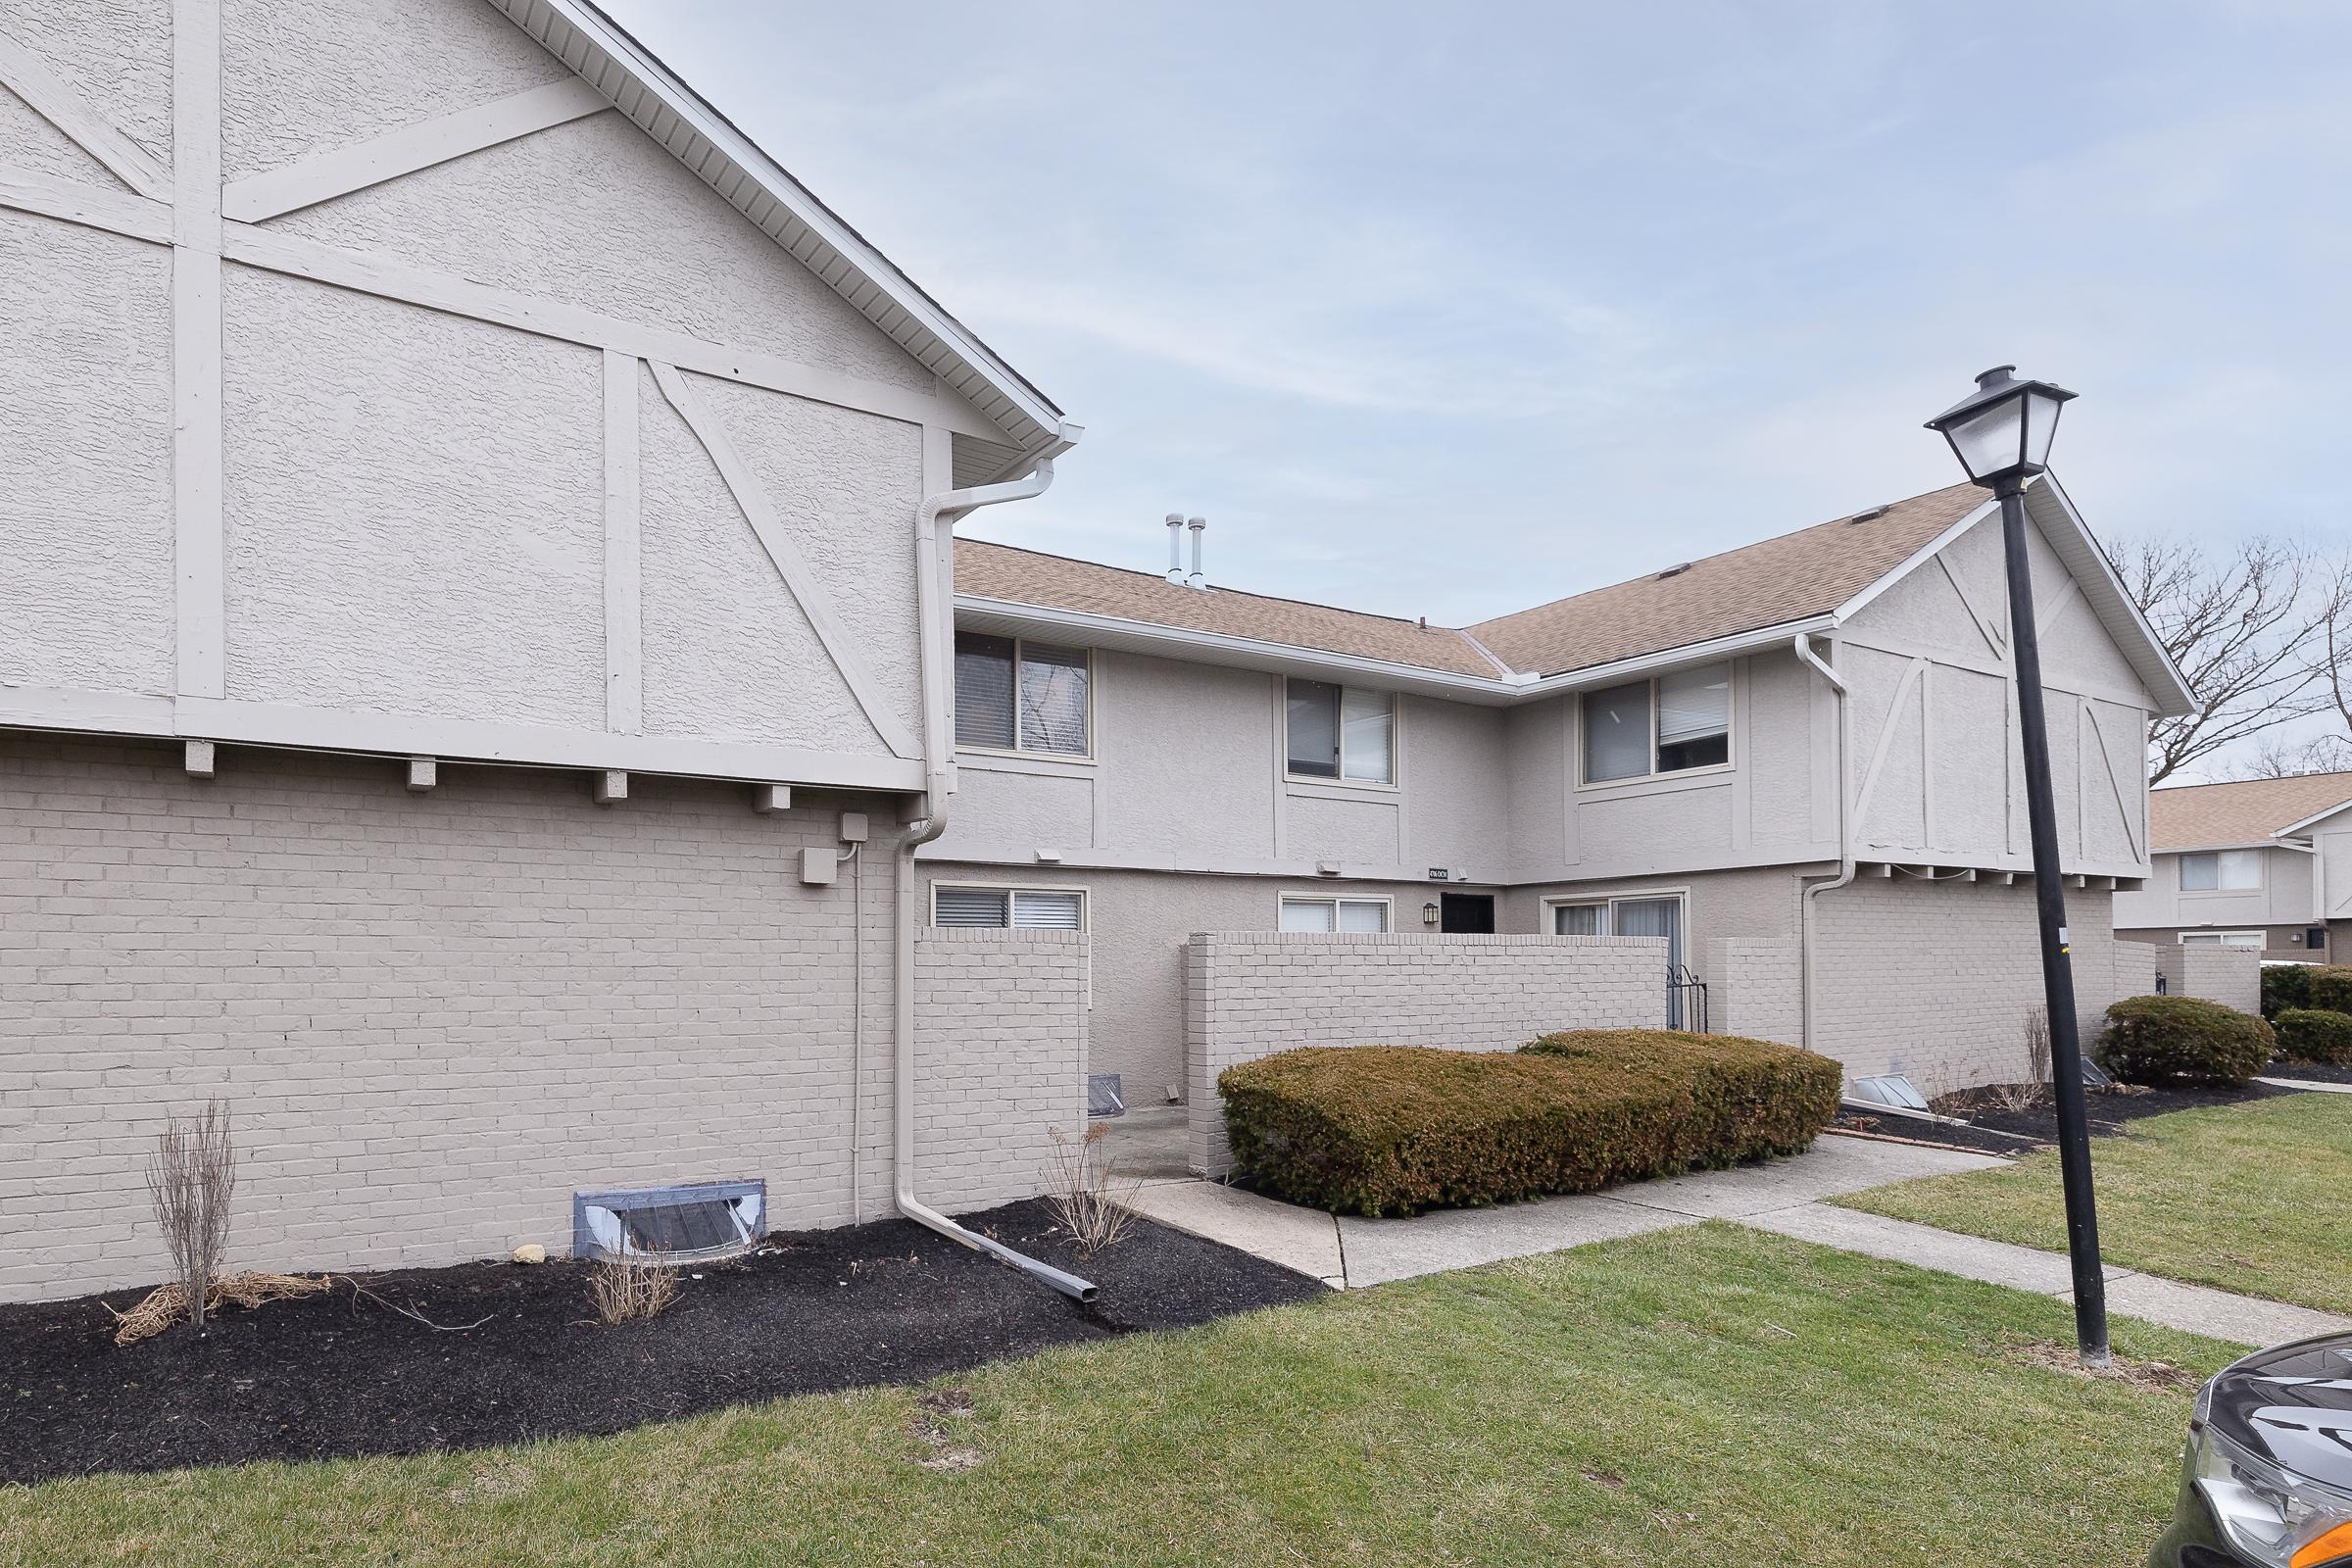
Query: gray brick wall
(2135, 968)
(1251, 994)
(1935, 979)
(2231, 976)
(435, 1016)
(1757, 988)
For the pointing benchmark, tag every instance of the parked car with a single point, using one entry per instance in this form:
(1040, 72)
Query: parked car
(2268, 1477)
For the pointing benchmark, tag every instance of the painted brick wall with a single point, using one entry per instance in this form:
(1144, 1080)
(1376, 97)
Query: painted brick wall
(999, 1042)
(1935, 979)
(435, 1015)
(1251, 994)
(2231, 976)
(2135, 968)
(1757, 988)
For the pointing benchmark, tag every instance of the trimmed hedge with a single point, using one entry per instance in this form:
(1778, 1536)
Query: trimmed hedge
(1397, 1129)
(2285, 986)
(2315, 1034)
(2154, 1040)
(2330, 988)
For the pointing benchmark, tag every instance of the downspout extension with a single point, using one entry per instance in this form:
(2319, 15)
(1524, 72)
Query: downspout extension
(1805, 922)
(933, 519)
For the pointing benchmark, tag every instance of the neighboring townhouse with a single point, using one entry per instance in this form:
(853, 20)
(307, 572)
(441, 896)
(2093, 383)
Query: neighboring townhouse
(468, 530)
(1147, 759)
(2264, 864)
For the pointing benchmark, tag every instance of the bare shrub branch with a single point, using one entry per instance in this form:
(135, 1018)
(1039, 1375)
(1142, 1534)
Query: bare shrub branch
(622, 1290)
(1083, 1187)
(190, 1178)
(167, 1304)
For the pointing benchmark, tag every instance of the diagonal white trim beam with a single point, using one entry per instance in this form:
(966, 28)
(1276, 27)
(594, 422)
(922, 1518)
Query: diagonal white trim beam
(306, 182)
(29, 77)
(786, 557)
(90, 205)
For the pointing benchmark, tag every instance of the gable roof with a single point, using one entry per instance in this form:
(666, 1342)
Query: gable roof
(1792, 578)
(2192, 817)
(1029, 577)
(605, 55)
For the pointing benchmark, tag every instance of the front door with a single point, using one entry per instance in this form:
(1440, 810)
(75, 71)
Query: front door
(1470, 914)
(1655, 917)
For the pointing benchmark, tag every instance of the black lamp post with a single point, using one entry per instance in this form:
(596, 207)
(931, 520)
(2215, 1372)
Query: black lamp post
(2001, 434)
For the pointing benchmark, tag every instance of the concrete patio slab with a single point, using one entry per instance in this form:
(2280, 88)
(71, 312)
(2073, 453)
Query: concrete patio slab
(1378, 1251)
(1831, 1167)
(1306, 1239)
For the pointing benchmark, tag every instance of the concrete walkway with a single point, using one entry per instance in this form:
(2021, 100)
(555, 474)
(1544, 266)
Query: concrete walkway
(2307, 1082)
(1784, 1197)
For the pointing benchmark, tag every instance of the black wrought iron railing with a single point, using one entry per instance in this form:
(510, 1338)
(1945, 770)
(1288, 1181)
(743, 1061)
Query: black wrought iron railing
(1686, 1000)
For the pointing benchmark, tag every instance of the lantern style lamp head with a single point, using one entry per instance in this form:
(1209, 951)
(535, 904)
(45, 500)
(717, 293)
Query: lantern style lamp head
(2002, 431)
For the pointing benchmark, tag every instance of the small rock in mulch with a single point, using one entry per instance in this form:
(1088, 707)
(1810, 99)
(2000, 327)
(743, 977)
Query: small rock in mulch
(422, 1360)
(2156, 1376)
(2109, 1112)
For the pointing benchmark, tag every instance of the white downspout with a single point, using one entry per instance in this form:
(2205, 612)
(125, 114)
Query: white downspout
(934, 523)
(1805, 921)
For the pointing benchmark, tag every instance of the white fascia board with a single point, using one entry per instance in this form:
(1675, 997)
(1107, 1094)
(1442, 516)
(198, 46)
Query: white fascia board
(2314, 820)
(2096, 576)
(1916, 559)
(2234, 844)
(724, 157)
(1249, 653)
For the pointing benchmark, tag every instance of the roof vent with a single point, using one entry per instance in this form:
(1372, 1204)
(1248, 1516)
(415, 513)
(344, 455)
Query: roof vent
(693, 1223)
(1675, 571)
(1866, 514)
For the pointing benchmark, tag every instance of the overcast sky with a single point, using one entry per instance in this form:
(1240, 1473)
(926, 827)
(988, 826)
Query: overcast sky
(1447, 311)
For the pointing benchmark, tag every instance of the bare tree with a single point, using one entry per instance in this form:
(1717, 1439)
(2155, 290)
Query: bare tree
(191, 1177)
(2240, 624)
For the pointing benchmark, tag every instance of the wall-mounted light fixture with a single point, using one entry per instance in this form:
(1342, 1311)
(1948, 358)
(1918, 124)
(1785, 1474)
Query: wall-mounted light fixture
(1429, 914)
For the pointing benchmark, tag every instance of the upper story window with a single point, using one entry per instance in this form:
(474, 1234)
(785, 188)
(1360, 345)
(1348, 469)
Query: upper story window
(1666, 726)
(2221, 871)
(1018, 696)
(1020, 909)
(1341, 732)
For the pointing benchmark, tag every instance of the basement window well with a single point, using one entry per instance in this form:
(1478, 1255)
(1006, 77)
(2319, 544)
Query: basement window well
(695, 1222)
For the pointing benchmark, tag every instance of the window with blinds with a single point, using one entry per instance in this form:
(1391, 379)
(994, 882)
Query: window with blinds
(1675, 722)
(1333, 914)
(1341, 732)
(1017, 696)
(1020, 909)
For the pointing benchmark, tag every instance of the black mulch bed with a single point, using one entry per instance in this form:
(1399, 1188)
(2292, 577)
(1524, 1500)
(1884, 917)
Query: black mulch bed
(1915, 1130)
(2110, 1111)
(2311, 1073)
(338, 1374)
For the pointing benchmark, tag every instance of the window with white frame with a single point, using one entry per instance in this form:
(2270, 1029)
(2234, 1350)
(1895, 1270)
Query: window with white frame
(1012, 695)
(1341, 732)
(2221, 871)
(1306, 913)
(2221, 939)
(1021, 909)
(1666, 726)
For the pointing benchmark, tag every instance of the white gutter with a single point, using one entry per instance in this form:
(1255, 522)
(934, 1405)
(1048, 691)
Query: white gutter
(1802, 645)
(934, 523)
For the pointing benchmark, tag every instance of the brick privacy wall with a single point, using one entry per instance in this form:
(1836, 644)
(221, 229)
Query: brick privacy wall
(435, 1016)
(1934, 979)
(2231, 976)
(2135, 968)
(999, 1050)
(1757, 988)
(1249, 994)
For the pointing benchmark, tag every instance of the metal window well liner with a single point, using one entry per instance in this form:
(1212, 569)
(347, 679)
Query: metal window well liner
(694, 1222)
(1102, 1096)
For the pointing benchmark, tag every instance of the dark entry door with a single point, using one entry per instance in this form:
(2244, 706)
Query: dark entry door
(1470, 914)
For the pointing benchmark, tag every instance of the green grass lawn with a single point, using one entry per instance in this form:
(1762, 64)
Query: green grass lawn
(1701, 1396)
(2250, 1198)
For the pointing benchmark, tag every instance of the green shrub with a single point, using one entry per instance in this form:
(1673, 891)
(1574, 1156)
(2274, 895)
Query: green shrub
(2330, 987)
(2285, 986)
(1397, 1129)
(2315, 1034)
(2155, 1040)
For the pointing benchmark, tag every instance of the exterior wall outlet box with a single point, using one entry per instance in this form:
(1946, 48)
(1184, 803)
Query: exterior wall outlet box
(854, 828)
(818, 867)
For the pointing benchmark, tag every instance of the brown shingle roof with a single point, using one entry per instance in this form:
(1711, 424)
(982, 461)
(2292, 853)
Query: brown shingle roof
(1798, 574)
(1029, 577)
(2194, 816)
(1806, 573)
